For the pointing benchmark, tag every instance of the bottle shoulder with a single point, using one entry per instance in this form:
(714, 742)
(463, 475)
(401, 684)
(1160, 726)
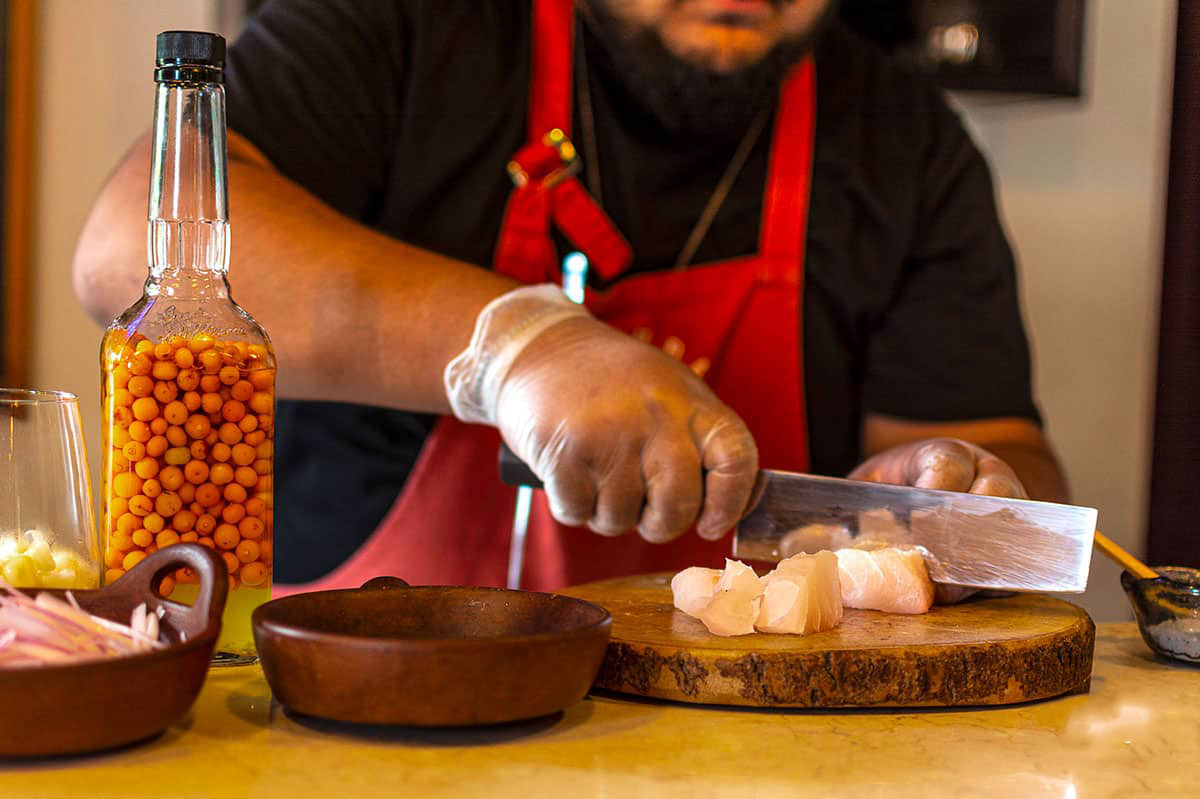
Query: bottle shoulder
(165, 317)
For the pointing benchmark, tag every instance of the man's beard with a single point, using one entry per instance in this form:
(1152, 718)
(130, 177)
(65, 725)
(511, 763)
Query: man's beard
(685, 98)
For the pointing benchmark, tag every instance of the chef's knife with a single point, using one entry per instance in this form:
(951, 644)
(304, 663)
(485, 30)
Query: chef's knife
(967, 539)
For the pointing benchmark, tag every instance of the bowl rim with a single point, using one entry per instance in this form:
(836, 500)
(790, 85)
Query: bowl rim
(260, 619)
(35, 396)
(1164, 579)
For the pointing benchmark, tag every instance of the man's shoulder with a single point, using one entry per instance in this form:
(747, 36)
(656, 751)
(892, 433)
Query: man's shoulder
(415, 21)
(505, 21)
(876, 115)
(854, 74)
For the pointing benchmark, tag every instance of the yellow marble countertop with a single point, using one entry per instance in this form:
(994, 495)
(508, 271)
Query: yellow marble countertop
(1137, 734)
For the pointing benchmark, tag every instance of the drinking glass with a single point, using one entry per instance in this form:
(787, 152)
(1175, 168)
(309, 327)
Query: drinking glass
(47, 531)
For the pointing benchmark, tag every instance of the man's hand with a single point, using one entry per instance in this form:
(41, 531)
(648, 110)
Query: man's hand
(903, 451)
(622, 434)
(949, 464)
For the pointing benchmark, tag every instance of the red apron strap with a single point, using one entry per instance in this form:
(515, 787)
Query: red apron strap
(524, 249)
(550, 68)
(785, 204)
(543, 168)
(590, 229)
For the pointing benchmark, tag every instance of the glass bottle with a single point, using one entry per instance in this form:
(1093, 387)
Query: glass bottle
(188, 377)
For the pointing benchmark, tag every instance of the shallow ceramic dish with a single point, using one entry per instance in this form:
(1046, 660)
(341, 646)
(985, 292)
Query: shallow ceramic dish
(1168, 611)
(432, 656)
(100, 704)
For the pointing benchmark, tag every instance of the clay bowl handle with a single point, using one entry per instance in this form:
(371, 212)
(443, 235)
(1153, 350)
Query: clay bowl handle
(383, 584)
(208, 566)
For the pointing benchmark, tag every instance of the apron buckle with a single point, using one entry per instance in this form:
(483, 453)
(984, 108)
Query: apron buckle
(549, 162)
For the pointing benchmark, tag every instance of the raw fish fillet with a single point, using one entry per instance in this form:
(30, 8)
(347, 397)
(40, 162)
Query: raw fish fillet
(692, 589)
(739, 578)
(813, 538)
(784, 608)
(735, 603)
(880, 527)
(891, 580)
(726, 602)
(803, 595)
(731, 613)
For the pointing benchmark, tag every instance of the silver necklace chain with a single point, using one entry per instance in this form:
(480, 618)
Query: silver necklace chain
(715, 200)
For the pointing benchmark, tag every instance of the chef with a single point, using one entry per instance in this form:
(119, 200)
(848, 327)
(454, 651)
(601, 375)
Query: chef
(787, 251)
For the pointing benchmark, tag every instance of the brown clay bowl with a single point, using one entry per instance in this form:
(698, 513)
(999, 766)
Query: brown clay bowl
(432, 656)
(100, 704)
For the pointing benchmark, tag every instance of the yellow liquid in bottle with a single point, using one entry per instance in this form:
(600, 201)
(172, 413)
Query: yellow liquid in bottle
(237, 637)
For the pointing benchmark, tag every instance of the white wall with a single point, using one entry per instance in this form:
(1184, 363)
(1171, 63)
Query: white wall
(1081, 186)
(95, 95)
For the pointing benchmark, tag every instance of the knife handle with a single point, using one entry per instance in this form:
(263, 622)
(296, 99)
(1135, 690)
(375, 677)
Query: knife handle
(514, 471)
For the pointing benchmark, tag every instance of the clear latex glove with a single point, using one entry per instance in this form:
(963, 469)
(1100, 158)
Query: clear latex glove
(949, 464)
(622, 435)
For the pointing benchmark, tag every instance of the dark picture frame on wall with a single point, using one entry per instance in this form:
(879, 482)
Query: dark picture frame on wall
(17, 21)
(1012, 46)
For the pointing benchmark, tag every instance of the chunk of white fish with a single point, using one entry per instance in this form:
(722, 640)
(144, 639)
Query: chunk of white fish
(891, 579)
(692, 589)
(735, 602)
(803, 595)
(740, 579)
(813, 538)
(731, 613)
(725, 601)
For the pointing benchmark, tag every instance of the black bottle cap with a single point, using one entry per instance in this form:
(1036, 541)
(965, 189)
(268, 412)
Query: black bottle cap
(190, 48)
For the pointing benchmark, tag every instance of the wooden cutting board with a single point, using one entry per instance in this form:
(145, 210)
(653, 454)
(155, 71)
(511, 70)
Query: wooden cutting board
(984, 652)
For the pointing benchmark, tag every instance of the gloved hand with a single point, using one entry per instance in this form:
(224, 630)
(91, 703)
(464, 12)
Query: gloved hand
(621, 434)
(949, 464)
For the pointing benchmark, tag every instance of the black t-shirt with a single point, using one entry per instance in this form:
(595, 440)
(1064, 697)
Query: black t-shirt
(402, 114)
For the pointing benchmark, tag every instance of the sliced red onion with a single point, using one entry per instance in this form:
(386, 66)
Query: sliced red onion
(48, 631)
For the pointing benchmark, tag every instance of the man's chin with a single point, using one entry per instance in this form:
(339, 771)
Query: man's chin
(691, 81)
(717, 47)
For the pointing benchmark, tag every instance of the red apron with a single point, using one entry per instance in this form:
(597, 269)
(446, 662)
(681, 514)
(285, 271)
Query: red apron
(452, 522)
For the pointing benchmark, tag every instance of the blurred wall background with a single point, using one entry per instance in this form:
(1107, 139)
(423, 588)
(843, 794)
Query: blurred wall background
(1082, 186)
(1080, 183)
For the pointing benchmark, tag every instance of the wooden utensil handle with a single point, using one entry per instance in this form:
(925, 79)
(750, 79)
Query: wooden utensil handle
(1123, 558)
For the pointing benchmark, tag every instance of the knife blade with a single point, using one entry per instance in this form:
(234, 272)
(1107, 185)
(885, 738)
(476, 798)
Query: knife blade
(967, 539)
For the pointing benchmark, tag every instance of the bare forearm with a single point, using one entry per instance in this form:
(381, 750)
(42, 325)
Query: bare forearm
(354, 315)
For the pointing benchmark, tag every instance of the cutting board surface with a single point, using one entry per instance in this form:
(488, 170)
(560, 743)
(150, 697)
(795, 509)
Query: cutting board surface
(984, 652)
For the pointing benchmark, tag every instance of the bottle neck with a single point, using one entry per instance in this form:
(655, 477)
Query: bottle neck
(188, 231)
